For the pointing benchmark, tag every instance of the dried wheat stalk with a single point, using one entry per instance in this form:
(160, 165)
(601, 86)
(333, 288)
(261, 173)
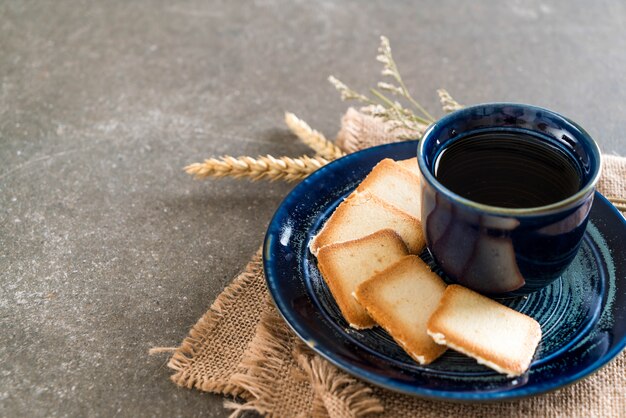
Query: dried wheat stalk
(314, 139)
(267, 167)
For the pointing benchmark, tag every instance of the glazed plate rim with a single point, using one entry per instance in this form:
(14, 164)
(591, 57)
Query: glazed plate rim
(302, 330)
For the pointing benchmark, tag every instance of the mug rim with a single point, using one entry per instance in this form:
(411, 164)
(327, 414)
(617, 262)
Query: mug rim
(555, 207)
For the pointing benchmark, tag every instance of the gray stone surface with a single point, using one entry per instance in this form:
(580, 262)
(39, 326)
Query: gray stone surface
(107, 248)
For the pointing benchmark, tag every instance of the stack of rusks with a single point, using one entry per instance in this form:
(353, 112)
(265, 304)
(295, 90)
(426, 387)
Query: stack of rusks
(367, 253)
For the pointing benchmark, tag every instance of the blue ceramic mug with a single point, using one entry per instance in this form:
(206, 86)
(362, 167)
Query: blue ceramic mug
(498, 249)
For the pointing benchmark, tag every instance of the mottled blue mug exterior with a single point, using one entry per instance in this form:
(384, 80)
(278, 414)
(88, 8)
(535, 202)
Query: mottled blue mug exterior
(503, 251)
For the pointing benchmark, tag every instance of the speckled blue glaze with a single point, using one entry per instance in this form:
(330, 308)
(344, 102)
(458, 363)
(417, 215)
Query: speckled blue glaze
(504, 251)
(581, 314)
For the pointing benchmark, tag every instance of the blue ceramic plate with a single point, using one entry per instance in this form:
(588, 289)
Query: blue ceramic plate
(582, 314)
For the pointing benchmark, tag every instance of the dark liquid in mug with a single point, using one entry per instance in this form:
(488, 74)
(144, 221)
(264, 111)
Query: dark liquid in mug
(509, 170)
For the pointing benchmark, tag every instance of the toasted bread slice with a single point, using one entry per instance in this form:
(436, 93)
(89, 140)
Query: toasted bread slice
(396, 185)
(491, 333)
(362, 214)
(344, 266)
(410, 164)
(401, 299)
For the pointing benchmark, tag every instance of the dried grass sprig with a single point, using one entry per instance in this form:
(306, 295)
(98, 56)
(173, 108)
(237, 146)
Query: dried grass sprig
(382, 106)
(391, 69)
(347, 93)
(265, 167)
(314, 139)
(447, 102)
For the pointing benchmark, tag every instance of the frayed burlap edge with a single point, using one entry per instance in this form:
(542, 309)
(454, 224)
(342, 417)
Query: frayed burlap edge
(185, 354)
(323, 390)
(265, 366)
(336, 393)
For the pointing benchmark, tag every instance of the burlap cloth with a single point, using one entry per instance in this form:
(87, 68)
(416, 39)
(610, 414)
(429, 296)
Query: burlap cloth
(242, 348)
